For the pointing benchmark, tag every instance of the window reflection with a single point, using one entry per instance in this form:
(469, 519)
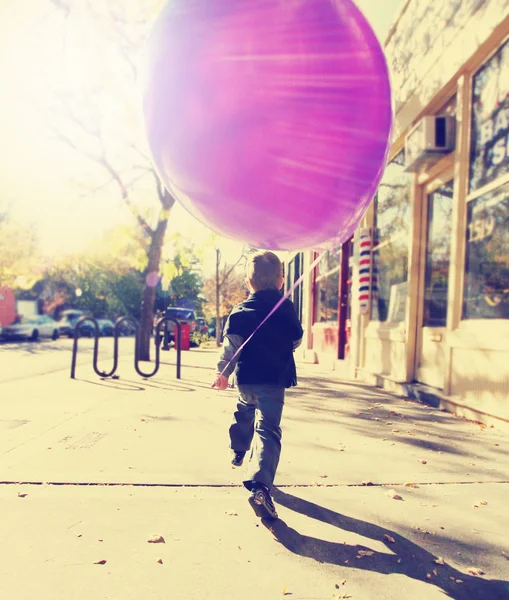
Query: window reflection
(490, 120)
(390, 243)
(327, 288)
(438, 251)
(486, 289)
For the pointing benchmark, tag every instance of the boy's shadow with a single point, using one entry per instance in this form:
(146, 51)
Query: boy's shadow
(405, 558)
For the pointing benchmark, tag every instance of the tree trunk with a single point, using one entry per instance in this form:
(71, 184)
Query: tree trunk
(149, 292)
(218, 304)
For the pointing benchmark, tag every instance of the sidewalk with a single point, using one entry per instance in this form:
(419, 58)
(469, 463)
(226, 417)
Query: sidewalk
(374, 494)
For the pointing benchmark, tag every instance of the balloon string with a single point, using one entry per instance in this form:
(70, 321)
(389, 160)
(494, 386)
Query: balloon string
(276, 306)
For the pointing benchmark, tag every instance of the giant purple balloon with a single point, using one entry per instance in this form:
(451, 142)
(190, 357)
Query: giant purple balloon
(269, 120)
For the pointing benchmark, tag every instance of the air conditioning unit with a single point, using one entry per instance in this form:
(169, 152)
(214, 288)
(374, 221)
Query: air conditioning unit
(428, 141)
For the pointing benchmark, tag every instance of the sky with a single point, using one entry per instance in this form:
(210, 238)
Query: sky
(37, 173)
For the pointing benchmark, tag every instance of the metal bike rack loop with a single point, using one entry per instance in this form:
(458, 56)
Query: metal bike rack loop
(158, 337)
(120, 321)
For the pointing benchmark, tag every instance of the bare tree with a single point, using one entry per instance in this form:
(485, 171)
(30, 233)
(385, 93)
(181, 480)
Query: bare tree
(98, 121)
(226, 288)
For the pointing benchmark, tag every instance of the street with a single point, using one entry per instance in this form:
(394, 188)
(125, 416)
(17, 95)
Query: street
(378, 497)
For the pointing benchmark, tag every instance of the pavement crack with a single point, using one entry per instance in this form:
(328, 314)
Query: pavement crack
(235, 485)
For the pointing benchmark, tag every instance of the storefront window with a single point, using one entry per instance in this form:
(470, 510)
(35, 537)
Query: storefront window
(490, 121)
(438, 256)
(486, 289)
(327, 288)
(390, 243)
(294, 273)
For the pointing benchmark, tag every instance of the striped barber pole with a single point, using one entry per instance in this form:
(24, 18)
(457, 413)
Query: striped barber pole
(365, 266)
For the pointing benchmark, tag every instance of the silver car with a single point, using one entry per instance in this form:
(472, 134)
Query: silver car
(32, 328)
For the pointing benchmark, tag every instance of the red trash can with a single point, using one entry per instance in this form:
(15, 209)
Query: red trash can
(186, 336)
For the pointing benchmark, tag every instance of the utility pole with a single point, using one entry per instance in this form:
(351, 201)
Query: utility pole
(218, 307)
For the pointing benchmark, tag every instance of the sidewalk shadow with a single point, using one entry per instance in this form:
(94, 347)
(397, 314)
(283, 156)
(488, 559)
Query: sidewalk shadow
(114, 384)
(405, 558)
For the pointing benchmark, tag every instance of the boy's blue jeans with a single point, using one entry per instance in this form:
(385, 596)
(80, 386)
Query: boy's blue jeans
(256, 425)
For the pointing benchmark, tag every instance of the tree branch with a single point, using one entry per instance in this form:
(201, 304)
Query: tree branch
(230, 271)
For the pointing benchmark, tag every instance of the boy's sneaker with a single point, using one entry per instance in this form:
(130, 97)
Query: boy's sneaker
(238, 458)
(262, 504)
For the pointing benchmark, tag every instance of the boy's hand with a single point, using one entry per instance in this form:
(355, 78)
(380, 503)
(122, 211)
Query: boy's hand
(221, 383)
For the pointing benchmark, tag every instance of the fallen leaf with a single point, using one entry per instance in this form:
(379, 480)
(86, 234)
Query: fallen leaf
(423, 462)
(440, 561)
(395, 431)
(156, 539)
(476, 571)
(429, 576)
(409, 484)
(389, 538)
(399, 561)
(435, 572)
(239, 547)
(392, 494)
(231, 513)
(22, 495)
(324, 476)
(362, 553)
(481, 503)
(459, 580)
(100, 562)
(160, 561)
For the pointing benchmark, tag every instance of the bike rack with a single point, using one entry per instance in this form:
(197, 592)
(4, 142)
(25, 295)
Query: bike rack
(158, 338)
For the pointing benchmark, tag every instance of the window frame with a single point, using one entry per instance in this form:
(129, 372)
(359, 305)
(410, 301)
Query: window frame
(386, 242)
(478, 328)
(317, 279)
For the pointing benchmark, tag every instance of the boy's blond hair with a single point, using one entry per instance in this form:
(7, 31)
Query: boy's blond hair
(264, 271)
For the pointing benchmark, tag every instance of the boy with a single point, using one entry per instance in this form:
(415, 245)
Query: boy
(263, 369)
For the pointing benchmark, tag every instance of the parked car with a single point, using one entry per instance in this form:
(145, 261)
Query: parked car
(184, 316)
(106, 327)
(68, 320)
(32, 328)
(127, 329)
(202, 326)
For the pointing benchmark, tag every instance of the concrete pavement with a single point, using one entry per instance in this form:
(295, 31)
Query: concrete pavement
(379, 497)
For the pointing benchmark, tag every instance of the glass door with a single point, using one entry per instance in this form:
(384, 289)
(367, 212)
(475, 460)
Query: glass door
(434, 283)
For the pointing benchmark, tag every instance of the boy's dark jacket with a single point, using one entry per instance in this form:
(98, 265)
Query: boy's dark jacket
(268, 357)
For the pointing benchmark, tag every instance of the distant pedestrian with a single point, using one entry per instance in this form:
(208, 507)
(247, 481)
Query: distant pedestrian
(263, 369)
